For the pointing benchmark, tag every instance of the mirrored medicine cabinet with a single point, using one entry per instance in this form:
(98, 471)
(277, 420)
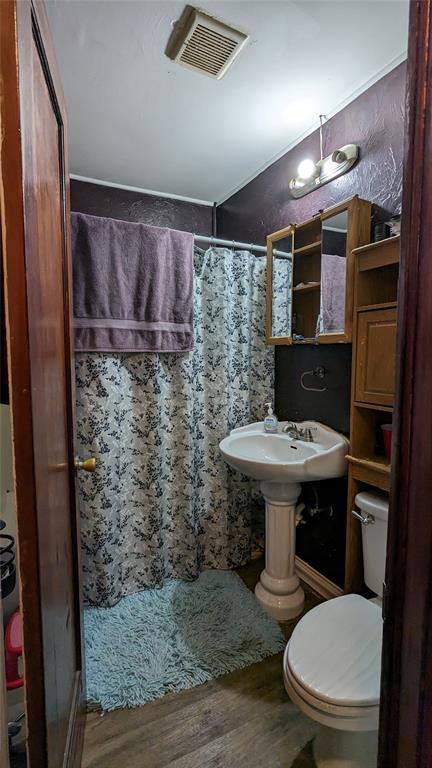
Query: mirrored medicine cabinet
(310, 275)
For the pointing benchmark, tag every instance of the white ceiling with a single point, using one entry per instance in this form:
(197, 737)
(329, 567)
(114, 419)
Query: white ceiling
(138, 119)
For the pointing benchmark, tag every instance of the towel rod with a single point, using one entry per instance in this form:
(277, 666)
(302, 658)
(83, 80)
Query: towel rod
(236, 244)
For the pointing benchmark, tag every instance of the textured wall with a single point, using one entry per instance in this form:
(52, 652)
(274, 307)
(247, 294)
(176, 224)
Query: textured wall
(331, 406)
(115, 203)
(374, 121)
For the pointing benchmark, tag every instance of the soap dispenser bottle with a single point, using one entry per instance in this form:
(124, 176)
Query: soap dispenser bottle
(270, 421)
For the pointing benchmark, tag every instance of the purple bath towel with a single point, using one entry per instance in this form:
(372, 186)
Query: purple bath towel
(133, 286)
(333, 280)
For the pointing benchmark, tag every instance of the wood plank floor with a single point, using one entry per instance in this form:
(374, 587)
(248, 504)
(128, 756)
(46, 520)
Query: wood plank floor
(240, 720)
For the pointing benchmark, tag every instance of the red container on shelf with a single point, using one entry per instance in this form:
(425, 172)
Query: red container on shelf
(387, 430)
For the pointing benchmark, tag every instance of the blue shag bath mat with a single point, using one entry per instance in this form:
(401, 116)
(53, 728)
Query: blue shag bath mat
(172, 638)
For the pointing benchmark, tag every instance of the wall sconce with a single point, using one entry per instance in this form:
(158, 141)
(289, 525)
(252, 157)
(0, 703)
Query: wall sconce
(311, 175)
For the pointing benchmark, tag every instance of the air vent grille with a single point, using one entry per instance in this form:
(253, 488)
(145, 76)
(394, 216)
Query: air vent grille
(208, 50)
(206, 44)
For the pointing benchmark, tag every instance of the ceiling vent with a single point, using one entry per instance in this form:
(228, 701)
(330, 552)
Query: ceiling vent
(204, 43)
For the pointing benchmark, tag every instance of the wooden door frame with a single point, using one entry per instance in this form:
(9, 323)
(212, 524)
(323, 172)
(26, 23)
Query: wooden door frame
(406, 700)
(406, 693)
(19, 21)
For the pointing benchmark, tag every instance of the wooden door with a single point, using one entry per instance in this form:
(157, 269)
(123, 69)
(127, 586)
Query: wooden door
(375, 366)
(406, 693)
(35, 241)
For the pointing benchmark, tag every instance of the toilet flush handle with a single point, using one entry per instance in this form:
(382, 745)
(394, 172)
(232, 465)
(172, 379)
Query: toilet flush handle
(366, 519)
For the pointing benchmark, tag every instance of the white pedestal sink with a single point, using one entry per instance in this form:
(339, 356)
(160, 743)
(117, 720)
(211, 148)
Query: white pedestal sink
(281, 463)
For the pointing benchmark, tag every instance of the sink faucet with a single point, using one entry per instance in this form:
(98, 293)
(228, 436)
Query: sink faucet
(297, 433)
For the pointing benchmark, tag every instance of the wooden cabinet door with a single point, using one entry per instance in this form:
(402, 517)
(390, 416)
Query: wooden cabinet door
(35, 244)
(376, 348)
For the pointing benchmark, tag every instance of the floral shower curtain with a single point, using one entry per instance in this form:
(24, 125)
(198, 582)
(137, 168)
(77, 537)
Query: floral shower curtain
(162, 502)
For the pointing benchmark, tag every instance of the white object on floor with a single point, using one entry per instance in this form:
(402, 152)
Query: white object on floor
(332, 663)
(281, 462)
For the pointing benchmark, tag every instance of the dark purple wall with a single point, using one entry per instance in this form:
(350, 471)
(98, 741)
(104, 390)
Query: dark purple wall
(374, 121)
(115, 203)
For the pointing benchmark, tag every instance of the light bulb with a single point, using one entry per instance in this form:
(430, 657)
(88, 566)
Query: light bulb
(306, 169)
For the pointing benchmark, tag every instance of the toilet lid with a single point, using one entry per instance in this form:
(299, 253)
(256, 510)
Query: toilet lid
(335, 651)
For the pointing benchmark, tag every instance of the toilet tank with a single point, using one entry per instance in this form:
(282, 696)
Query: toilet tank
(374, 537)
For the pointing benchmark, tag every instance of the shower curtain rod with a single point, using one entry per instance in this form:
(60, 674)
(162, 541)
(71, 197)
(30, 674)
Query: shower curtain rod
(236, 244)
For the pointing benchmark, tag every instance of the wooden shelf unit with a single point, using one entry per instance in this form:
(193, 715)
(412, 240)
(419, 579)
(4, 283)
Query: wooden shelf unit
(305, 249)
(376, 273)
(307, 233)
(382, 305)
(377, 463)
(306, 269)
(309, 238)
(373, 407)
(306, 288)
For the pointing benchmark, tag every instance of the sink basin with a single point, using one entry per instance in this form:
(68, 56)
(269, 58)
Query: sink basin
(279, 458)
(281, 463)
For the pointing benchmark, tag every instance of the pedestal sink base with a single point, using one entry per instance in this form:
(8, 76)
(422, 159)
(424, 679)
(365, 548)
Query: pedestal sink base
(281, 461)
(280, 607)
(278, 590)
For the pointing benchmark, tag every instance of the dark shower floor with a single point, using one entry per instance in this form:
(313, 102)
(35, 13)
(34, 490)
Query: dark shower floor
(241, 720)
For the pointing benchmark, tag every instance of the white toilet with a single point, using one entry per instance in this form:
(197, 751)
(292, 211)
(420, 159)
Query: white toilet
(332, 663)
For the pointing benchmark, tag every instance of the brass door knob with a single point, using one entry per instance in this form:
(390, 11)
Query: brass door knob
(88, 465)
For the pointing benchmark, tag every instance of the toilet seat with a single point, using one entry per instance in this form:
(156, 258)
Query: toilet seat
(342, 718)
(332, 664)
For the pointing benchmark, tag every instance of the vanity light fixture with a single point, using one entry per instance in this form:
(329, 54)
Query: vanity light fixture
(311, 175)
